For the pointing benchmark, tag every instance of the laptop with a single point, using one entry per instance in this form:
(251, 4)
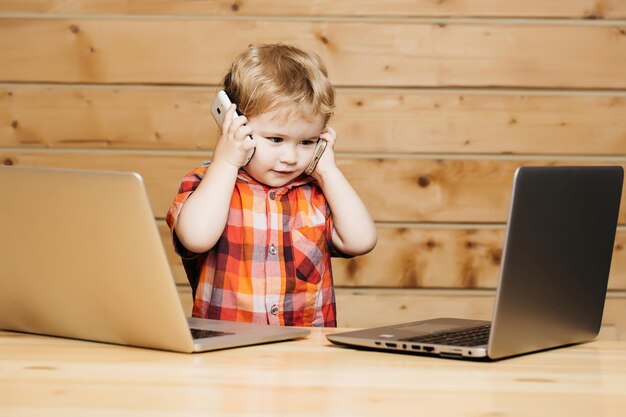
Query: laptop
(82, 258)
(553, 278)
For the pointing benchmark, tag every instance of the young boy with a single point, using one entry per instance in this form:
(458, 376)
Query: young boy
(256, 240)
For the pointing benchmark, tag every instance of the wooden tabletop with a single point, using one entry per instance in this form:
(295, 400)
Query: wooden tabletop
(45, 376)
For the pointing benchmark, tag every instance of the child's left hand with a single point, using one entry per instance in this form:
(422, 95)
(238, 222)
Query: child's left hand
(327, 161)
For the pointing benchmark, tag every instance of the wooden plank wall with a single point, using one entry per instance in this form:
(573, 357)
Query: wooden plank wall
(438, 103)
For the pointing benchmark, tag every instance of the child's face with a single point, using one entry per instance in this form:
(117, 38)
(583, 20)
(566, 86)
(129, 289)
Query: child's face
(284, 146)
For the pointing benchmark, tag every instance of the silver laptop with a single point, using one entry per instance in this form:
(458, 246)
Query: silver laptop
(553, 278)
(82, 258)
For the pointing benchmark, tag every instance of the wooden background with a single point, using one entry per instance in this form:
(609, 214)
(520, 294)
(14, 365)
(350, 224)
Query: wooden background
(438, 103)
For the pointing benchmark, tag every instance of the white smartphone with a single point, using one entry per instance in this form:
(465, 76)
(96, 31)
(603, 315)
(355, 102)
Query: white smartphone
(220, 105)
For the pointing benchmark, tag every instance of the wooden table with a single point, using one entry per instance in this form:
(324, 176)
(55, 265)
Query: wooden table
(43, 376)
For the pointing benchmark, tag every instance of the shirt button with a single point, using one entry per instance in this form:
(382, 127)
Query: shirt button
(273, 195)
(273, 250)
(274, 309)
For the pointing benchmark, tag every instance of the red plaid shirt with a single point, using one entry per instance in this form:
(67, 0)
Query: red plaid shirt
(272, 263)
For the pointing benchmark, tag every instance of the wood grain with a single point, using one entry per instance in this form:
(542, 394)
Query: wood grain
(388, 307)
(387, 121)
(357, 53)
(367, 307)
(425, 257)
(394, 189)
(61, 377)
(587, 9)
(433, 114)
(440, 257)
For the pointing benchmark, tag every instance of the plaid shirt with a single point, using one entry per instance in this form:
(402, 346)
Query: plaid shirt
(271, 264)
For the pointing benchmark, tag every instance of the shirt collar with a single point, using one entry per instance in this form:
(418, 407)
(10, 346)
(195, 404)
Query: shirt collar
(302, 179)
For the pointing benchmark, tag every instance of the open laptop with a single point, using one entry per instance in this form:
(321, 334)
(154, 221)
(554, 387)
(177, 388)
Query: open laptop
(553, 278)
(82, 258)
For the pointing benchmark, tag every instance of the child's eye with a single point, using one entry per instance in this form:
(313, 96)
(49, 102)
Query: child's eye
(276, 140)
(308, 142)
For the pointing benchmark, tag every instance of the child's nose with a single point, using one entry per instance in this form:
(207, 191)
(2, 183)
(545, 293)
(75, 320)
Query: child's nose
(288, 155)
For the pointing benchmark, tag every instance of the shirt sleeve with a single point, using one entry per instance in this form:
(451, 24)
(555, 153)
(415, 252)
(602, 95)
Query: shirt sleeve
(188, 185)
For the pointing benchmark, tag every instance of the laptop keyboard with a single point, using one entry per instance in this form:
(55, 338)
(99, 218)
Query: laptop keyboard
(203, 334)
(474, 336)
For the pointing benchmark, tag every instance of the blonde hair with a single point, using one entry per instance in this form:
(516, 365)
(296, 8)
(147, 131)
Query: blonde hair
(277, 76)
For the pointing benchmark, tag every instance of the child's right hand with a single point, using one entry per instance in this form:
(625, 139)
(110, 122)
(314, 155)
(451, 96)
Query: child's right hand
(235, 142)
